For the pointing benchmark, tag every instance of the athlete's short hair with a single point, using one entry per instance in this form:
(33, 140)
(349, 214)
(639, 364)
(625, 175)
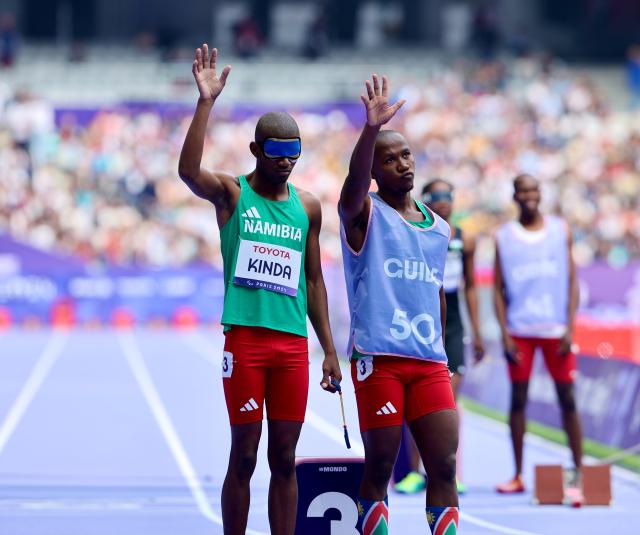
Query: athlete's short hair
(429, 185)
(278, 124)
(384, 134)
(519, 178)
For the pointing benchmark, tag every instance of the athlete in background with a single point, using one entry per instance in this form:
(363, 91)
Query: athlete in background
(536, 297)
(394, 252)
(438, 195)
(269, 233)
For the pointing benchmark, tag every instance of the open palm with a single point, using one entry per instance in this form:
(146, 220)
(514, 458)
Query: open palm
(210, 85)
(376, 102)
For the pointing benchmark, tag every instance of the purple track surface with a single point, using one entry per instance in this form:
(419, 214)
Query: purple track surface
(125, 432)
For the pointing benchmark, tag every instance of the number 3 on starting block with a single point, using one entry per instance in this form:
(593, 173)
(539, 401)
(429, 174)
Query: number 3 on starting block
(345, 506)
(327, 494)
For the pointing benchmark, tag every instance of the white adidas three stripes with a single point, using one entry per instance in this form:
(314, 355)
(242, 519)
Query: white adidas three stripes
(249, 406)
(387, 408)
(252, 212)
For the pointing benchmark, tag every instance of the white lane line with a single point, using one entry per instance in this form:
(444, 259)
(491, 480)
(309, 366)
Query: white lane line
(518, 511)
(495, 527)
(333, 432)
(45, 362)
(150, 392)
(621, 454)
(202, 346)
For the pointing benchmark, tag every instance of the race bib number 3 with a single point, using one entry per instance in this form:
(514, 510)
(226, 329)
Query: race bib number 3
(270, 267)
(364, 367)
(227, 364)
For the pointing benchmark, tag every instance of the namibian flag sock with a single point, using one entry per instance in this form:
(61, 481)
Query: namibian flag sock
(442, 520)
(373, 517)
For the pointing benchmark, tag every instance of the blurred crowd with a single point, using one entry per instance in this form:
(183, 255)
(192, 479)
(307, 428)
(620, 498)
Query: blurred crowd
(107, 189)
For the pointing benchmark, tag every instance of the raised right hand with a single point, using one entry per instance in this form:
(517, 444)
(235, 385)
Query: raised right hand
(376, 102)
(210, 85)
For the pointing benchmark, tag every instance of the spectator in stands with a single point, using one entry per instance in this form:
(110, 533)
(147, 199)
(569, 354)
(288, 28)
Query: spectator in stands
(633, 75)
(8, 39)
(486, 31)
(317, 40)
(247, 38)
(101, 188)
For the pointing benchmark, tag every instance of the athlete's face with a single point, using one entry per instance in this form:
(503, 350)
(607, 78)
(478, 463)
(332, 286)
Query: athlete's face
(275, 170)
(527, 195)
(441, 201)
(393, 164)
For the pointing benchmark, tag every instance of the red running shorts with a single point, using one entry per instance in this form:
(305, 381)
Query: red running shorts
(392, 389)
(265, 367)
(562, 368)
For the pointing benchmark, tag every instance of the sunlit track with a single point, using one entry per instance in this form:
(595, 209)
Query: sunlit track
(157, 365)
(150, 392)
(45, 362)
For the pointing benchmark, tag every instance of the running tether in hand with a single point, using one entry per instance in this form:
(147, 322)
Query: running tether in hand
(338, 388)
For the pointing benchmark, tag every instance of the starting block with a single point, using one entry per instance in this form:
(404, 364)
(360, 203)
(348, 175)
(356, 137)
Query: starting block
(594, 486)
(327, 496)
(549, 484)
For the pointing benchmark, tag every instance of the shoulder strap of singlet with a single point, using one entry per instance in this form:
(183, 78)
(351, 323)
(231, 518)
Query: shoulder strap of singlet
(292, 191)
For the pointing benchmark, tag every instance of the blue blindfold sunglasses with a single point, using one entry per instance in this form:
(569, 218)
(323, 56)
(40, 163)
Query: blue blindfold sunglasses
(274, 148)
(437, 196)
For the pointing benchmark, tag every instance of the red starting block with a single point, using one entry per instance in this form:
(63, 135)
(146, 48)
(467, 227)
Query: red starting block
(62, 314)
(549, 484)
(122, 318)
(593, 486)
(327, 496)
(596, 484)
(185, 317)
(5, 318)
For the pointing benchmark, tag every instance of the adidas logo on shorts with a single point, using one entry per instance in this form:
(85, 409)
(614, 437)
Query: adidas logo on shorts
(251, 212)
(249, 406)
(387, 408)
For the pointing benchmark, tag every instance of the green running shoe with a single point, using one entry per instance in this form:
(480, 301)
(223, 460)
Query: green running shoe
(461, 487)
(412, 483)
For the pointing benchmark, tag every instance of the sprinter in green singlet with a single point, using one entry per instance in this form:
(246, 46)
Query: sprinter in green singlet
(269, 234)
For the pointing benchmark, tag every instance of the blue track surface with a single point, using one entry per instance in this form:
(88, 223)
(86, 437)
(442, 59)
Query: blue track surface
(117, 432)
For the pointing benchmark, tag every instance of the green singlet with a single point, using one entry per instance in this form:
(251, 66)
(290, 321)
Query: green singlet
(263, 249)
(425, 223)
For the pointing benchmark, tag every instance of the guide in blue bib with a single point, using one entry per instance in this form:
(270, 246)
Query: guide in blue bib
(394, 268)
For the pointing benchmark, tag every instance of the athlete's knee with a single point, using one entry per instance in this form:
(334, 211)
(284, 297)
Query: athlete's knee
(567, 399)
(518, 403)
(282, 462)
(444, 471)
(518, 398)
(379, 470)
(242, 463)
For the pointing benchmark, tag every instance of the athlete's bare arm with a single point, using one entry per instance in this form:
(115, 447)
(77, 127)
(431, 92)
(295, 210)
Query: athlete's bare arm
(317, 307)
(221, 189)
(574, 297)
(470, 294)
(354, 201)
(509, 346)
